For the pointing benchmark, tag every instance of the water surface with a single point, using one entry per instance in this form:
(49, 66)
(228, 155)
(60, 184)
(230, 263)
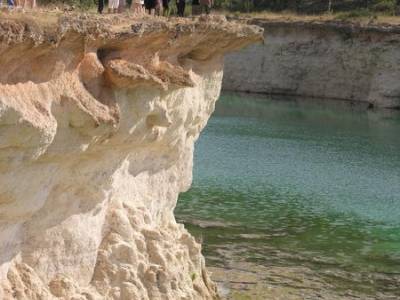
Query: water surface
(300, 183)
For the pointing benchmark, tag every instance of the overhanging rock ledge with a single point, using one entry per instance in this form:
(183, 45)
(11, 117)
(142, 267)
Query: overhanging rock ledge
(98, 117)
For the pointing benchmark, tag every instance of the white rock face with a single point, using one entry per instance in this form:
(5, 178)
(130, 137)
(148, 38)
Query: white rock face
(322, 60)
(97, 129)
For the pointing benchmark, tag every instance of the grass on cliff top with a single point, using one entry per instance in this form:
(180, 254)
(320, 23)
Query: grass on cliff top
(44, 18)
(359, 16)
(48, 16)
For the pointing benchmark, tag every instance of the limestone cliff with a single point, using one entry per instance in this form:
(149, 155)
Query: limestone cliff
(98, 118)
(321, 59)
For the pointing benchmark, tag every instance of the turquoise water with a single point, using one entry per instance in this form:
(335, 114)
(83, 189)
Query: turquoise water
(300, 183)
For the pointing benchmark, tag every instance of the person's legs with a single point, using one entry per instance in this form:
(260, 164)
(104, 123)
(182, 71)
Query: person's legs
(121, 6)
(159, 10)
(27, 4)
(149, 5)
(136, 7)
(116, 5)
(165, 4)
(166, 12)
(30, 3)
(208, 9)
(181, 8)
(205, 8)
(100, 6)
(112, 6)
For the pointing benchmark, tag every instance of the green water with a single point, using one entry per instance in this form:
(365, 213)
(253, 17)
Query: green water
(300, 183)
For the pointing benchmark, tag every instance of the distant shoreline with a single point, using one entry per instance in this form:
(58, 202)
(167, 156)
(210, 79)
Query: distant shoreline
(320, 57)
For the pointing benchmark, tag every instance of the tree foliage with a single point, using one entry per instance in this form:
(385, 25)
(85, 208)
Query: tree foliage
(309, 6)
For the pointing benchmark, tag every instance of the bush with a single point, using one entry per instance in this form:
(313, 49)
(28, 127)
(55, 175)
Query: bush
(385, 6)
(354, 14)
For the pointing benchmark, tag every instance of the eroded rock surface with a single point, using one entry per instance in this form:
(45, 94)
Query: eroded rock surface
(98, 117)
(330, 60)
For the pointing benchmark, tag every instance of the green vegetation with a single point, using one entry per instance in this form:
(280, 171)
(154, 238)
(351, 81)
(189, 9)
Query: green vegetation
(193, 276)
(355, 14)
(390, 7)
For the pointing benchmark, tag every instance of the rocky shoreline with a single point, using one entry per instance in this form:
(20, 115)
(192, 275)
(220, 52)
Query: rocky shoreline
(320, 59)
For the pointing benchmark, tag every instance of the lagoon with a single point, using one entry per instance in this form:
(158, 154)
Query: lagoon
(300, 183)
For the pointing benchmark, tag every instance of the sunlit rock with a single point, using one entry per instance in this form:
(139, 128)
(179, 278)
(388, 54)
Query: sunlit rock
(98, 118)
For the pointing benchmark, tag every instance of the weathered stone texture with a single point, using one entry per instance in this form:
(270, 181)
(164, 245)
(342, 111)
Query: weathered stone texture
(98, 119)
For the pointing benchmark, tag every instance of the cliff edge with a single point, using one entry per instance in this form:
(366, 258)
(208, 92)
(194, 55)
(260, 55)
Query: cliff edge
(98, 118)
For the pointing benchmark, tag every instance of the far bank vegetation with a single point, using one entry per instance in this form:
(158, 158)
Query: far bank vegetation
(387, 10)
(311, 6)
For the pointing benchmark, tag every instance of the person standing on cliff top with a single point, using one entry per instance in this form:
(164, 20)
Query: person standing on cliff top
(150, 6)
(206, 5)
(26, 4)
(31, 4)
(113, 6)
(100, 6)
(10, 4)
(159, 7)
(137, 7)
(181, 4)
(165, 4)
(121, 6)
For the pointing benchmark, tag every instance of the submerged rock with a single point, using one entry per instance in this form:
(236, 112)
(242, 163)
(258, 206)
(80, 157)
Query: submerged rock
(98, 118)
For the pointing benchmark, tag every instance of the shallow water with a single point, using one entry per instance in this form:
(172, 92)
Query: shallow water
(300, 183)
